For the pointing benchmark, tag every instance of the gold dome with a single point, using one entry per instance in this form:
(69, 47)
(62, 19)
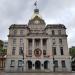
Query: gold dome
(36, 13)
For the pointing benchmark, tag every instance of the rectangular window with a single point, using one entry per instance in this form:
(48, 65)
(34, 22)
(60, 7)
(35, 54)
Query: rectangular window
(21, 40)
(59, 32)
(20, 62)
(63, 63)
(44, 52)
(15, 32)
(61, 51)
(12, 63)
(54, 50)
(53, 33)
(37, 42)
(55, 63)
(20, 50)
(44, 42)
(60, 41)
(53, 41)
(13, 50)
(30, 43)
(21, 32)
(30, 52)
(14, 41)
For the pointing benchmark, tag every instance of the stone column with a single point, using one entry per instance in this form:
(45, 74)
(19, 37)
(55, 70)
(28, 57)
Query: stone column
(33, 47)
(41, 46)
(24, 65)
(42, 65)
(26, 47)
(33, 67)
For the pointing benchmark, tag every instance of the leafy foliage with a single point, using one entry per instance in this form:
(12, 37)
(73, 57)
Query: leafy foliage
(2, 51)
(1, 44)
(72, 52)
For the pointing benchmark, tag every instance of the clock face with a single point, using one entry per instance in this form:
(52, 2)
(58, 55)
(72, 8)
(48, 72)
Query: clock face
(36, 21)
(37, 52)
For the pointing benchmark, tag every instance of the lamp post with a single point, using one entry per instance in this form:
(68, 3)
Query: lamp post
(53, 64)
(53, 61)
(23, 56)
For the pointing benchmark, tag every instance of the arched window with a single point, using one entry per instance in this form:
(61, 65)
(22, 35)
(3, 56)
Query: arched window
(37, 64)
(29, 63)
(46, 64)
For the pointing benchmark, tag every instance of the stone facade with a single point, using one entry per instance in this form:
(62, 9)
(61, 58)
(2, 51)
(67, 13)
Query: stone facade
(37, 47)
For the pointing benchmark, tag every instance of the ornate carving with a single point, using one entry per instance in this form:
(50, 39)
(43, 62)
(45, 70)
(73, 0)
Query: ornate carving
(37, 52)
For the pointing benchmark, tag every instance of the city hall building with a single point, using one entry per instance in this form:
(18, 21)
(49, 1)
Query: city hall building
(37, 47)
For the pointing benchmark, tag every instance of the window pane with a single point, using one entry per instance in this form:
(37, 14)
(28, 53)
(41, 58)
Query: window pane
(44, 52)
(55, 63)
(60, 41)
(15, 32)
(44, 42)
(59, 32)
(12, 63)
(54, 50)
(21, 40)
(21, 32)
(30, 42)
(20, 62)
(20, 50)
(53, 33)
(53, 41)
(61, 50)
(13, 50)
(63, 63)
(30, 52)
(14, 41)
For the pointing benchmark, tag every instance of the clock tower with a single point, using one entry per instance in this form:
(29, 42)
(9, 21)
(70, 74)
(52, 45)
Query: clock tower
(36, 22)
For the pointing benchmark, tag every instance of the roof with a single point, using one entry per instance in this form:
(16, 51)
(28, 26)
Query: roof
(56, 26)
(18, 26)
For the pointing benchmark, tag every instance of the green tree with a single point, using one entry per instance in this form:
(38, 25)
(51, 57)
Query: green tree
(72, 52)
(1, 44)
(2, 51)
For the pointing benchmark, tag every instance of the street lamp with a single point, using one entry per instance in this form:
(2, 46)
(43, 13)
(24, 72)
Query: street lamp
(53, 61)
(53, 64)
(23, 56)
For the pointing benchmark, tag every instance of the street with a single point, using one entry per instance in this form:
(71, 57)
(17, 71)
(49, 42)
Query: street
(2, 73)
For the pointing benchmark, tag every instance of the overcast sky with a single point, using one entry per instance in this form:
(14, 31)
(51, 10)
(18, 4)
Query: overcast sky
(53, 11)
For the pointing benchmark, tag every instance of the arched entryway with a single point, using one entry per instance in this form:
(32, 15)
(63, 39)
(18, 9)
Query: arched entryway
(46, 64)
(37, 65)
(29, 63)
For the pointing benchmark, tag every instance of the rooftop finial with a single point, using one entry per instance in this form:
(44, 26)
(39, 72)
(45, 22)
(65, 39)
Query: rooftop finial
(35, 4)
(36, 10)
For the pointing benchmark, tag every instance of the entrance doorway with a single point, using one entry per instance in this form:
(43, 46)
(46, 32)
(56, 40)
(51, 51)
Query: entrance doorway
(38, 65)
(29, 64)
(73, 65)
(45, 64)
